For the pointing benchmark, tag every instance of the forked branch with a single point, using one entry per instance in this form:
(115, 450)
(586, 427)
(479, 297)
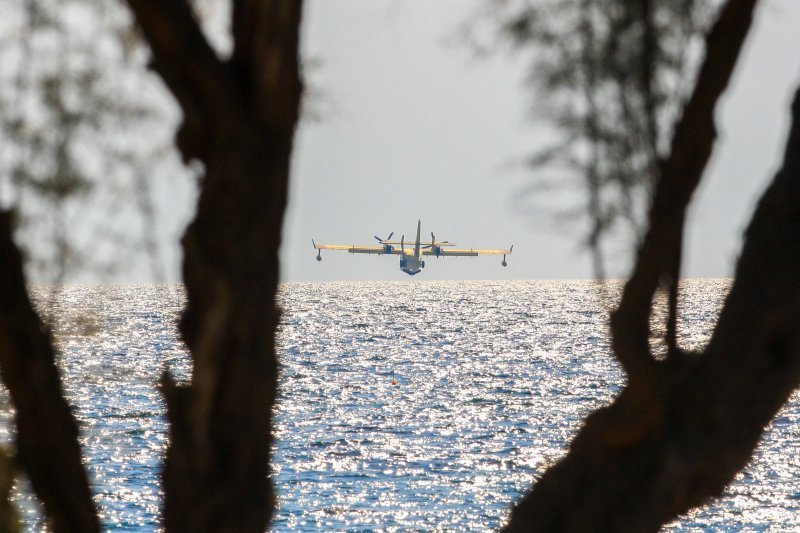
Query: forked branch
(692, 143)
(199, 80)
(642, 461)
(239, 120)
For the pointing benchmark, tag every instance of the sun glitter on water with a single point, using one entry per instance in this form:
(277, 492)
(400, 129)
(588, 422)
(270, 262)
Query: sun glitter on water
(496, 377)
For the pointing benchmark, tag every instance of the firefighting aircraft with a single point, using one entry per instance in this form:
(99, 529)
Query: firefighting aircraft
(411, 261)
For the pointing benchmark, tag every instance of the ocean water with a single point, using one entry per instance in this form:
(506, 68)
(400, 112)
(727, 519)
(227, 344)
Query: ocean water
(413, 405)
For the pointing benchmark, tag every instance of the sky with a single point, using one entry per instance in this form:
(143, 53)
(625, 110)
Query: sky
(405, 123)
(409, 125)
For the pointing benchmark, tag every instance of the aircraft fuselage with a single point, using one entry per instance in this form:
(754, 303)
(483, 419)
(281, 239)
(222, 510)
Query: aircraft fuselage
(411, 264)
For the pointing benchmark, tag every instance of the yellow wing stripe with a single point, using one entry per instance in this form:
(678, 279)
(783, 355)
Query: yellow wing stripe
(332, 246)
(467, 252)
(353, 249)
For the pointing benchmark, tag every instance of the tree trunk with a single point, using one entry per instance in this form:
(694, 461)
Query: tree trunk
(47, 435)
(648, 458)
(684, 426)
(239, 120)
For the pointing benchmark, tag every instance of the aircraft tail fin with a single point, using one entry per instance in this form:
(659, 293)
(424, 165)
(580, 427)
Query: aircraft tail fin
(417, 245)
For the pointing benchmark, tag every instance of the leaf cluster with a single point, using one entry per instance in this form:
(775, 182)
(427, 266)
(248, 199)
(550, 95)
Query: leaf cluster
(82, 124)
(610, 77)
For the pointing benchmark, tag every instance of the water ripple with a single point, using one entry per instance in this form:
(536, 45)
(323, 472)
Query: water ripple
(402, 405)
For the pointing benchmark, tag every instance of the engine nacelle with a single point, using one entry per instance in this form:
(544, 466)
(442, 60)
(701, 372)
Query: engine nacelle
(319, 257)
(504, 264)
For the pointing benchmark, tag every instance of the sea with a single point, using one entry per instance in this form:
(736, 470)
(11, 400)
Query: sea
(403, 406)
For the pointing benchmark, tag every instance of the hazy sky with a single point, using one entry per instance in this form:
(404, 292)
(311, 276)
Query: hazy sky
(414, 127)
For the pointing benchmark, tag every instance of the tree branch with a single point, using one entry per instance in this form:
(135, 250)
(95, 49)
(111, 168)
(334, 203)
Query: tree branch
(266, 35)
(47, 435)
(190, 67)
(216, 468)
(692, 144)
(637, 464)
(766, 276)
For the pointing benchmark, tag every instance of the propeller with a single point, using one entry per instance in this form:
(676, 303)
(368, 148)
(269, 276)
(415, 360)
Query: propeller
(383, 240)
(432, 245)
(433, 242)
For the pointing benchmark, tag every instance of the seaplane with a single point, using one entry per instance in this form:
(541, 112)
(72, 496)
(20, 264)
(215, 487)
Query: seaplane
(411, 258)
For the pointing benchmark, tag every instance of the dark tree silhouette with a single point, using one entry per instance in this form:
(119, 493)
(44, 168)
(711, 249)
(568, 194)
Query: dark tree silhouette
(239, 117)
(610, 76)
(686, 424)
(47, 435)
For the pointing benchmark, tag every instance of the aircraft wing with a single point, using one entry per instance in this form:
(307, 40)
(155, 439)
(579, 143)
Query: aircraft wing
(422, 243)
(353, 249)
(466, 252)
